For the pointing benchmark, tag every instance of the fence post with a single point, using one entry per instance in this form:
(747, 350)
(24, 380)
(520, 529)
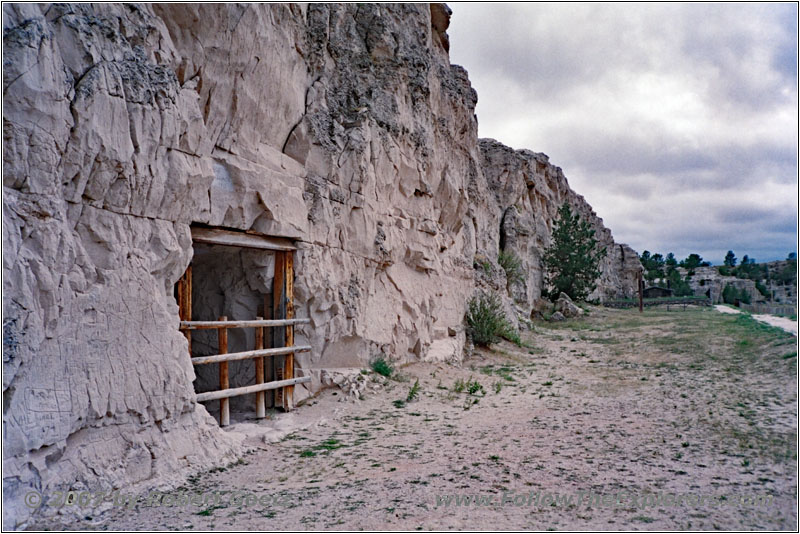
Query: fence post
(641, 293)
(224, 404)
(260, 408)
(288, 362)
(279, 312)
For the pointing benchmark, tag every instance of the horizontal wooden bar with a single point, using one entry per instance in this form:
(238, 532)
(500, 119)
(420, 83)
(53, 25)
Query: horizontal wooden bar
(235, 356)
(214, 325)
(235, 392)
(218, 236)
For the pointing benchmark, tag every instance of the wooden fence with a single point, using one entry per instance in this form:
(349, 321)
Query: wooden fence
(222, 359)
(282, 310)
(771, 309)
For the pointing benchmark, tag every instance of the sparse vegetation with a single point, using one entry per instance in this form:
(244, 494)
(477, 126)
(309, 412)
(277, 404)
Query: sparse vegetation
(731, 294)
(413, 393)
(474, 387)
(459, 385)
(512, 265)
(486, 321)
(382, 367)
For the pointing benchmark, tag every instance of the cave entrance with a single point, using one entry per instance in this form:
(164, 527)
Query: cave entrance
(236, 308)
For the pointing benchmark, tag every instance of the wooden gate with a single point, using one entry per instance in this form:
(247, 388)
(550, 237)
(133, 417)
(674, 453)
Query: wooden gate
(283, 321)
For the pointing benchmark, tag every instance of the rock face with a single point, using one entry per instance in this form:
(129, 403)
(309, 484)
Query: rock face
(526, 193)
(707, 281)
(342, 127)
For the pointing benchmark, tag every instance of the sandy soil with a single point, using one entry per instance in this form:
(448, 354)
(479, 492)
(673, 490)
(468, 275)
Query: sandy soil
(683, 402)
(781, 322)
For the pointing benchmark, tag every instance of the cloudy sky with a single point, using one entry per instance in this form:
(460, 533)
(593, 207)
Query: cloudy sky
(677, 122)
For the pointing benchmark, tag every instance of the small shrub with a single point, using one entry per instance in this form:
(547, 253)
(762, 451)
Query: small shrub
(413, 393)
(744, 296)
(486, 321)
(399, 403)
(474, 387)
(512, 265)
(762, 289)
(458, 385)
(382, 367)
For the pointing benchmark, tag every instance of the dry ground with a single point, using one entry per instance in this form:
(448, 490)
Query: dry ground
(684, 402)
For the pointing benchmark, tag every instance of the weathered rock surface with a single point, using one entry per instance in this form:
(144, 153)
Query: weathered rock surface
(527, 191)
(707, 281)
(567, 308)
(343, 127)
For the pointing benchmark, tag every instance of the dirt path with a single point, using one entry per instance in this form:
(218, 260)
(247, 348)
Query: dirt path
(690, 402)
(781, 322)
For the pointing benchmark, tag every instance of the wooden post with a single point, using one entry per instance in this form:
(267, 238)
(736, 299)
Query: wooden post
(288, 360)
(279, 312)
(641, 293)
(269, 368)
(224, 406)
(185, 302)
(260, 408)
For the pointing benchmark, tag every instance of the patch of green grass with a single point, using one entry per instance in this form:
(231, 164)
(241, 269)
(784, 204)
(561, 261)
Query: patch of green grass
(330, 445)
(474, 387)
(789, 355)
(413, 393)
(208, 511)
(307, 454)
(382, 367)
(511, 335)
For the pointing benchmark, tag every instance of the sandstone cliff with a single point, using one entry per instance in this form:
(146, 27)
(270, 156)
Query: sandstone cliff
(342, 127)
(707, 281)
(527, 192)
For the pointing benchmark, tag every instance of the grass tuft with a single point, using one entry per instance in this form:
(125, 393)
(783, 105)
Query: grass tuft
(382, 367)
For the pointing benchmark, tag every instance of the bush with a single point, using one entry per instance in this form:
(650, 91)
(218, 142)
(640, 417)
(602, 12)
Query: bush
(729, 294)
(744, 296)
(512, 265)
(486, 321)
(762, 289)
(382, 367)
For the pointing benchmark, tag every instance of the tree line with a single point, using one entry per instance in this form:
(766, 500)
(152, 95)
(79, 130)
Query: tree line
(663, 271)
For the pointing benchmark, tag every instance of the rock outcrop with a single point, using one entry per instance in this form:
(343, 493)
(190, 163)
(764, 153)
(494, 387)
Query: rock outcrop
(527, 191)
(707, 281)
(342, 127)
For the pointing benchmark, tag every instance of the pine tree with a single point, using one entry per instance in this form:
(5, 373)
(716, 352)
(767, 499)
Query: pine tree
(572, 260)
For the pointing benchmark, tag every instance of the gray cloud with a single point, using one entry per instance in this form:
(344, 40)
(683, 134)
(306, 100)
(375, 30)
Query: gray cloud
(677, 122)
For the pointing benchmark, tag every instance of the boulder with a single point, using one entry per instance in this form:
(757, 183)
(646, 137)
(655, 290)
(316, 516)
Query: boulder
(568, 308)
